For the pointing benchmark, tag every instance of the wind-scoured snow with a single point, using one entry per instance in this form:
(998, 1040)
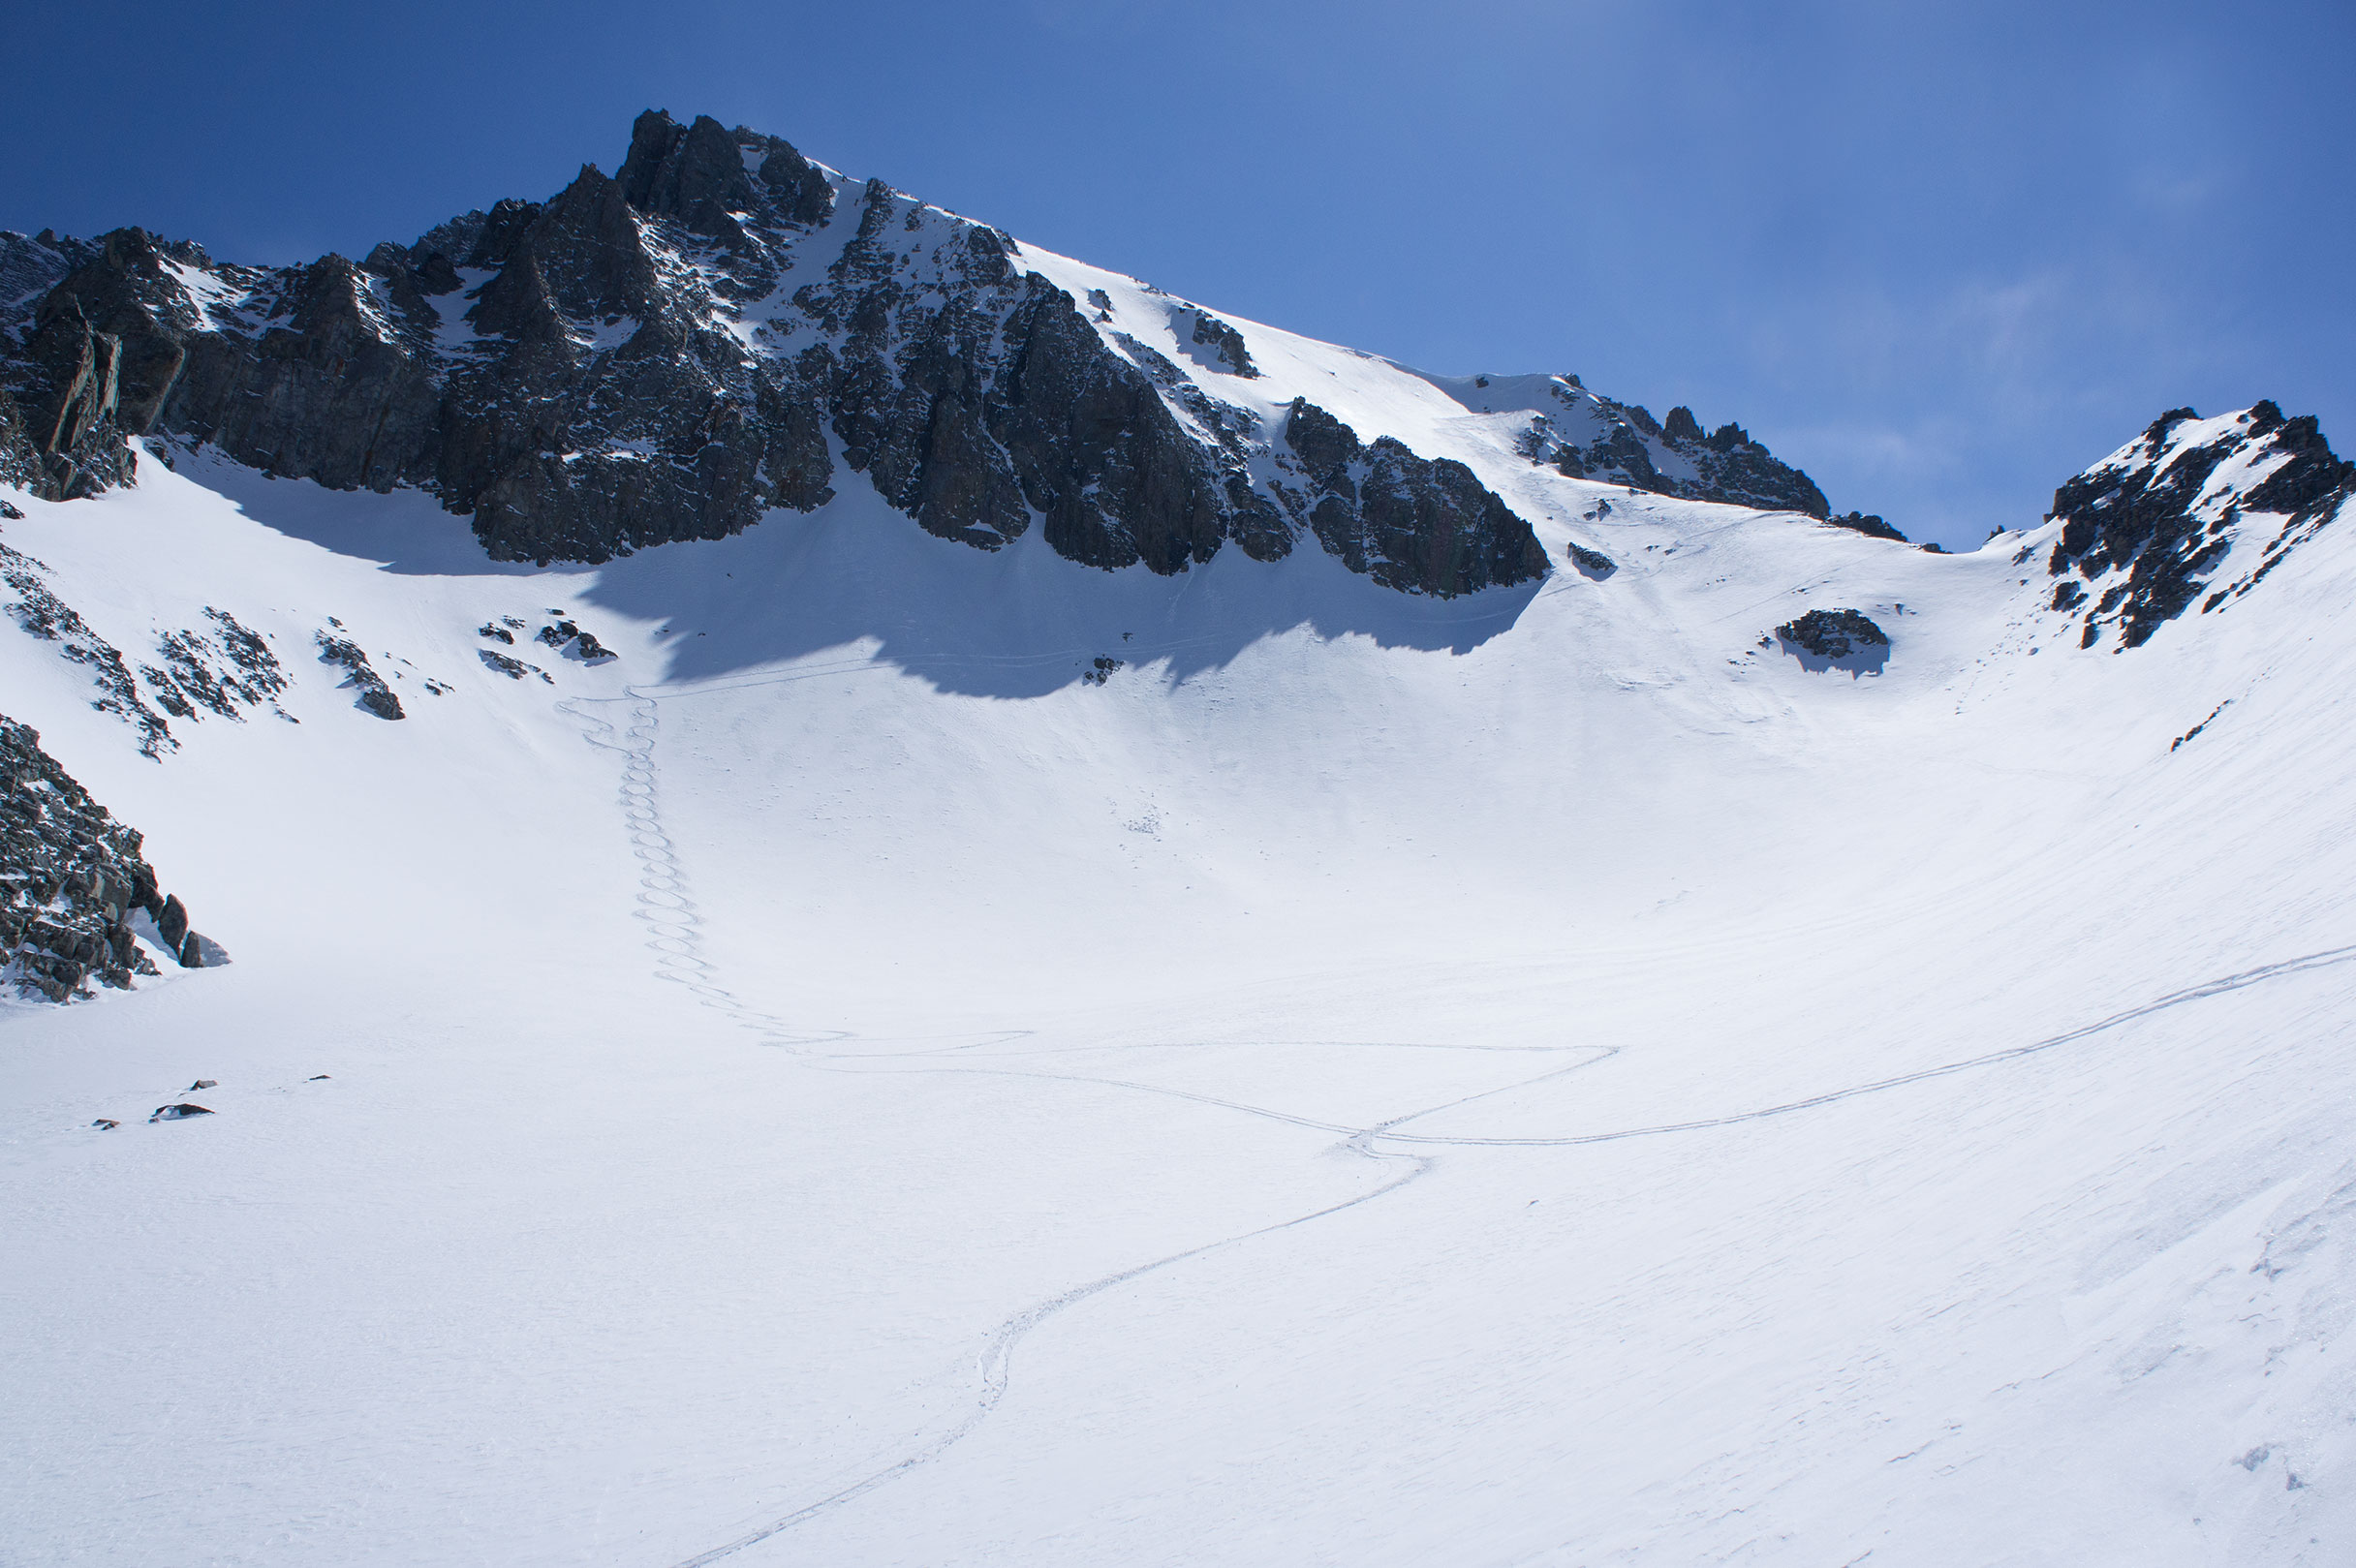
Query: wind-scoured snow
(1539, 1078)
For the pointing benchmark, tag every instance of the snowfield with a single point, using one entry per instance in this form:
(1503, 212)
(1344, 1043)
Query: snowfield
(1537, 1077)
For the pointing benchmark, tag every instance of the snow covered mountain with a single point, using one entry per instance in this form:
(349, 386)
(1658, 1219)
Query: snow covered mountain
(802, 965)
(667, 353)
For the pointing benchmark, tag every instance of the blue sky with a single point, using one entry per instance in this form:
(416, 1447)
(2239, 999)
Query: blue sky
(1941, 256)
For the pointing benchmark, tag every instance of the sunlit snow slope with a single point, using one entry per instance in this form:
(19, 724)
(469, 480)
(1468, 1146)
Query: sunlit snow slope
(1533, 1078)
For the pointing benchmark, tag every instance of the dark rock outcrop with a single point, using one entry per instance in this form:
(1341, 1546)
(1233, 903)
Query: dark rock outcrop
(1225, 344)
(43, 614)
(698, 174)
(2146, 530)
(60, 430)
(171, 921)
(584, 645)
(217, 670)
(1585, 436)
(1833, 634)
(368, 687)
(224, 672)
(1406, 521)
(1591, 563)
(2194, 734)
(515, 669)
(72, 879)
(1112, 469)
(622, 365)
(1865, 523)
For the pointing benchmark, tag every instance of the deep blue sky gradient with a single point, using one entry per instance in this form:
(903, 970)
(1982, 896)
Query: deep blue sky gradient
(1941, 256)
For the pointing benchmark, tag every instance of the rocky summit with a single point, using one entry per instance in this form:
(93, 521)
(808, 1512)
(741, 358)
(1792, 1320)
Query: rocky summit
(2145, 530)
(671, 351)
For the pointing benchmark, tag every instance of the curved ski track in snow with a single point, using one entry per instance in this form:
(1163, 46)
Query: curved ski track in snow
(2326, 959)
(673, 917)
(998, 1355)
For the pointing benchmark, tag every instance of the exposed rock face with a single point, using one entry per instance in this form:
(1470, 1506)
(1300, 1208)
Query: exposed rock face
(1593, 563)
(1587, 436)
(59, 432)
(664, 354)
(71, 877)
(217, 673)
(584, 644)
(1833, 634)
(1226, 343)
(2145, 530)
(1865, 523)
(369, 688)
(515, 669)
(1407, 522)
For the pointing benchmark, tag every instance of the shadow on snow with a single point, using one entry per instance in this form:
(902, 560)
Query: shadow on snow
(860, 577)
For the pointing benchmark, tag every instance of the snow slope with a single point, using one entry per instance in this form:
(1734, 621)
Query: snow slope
(1536, 1078)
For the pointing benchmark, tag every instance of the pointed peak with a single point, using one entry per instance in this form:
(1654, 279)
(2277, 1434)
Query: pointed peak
(701, 173)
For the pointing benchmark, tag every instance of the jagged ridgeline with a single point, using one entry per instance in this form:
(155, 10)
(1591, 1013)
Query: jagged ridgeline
(670, 352)
(1583, 435)
(74, 886)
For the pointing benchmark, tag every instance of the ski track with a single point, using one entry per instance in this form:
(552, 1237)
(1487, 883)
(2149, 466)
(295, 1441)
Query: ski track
(670, 914)
(664, 906)
(675, 924)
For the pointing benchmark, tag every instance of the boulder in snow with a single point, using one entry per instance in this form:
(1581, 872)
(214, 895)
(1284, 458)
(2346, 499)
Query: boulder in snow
(1594, 564)
(1836, 639)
